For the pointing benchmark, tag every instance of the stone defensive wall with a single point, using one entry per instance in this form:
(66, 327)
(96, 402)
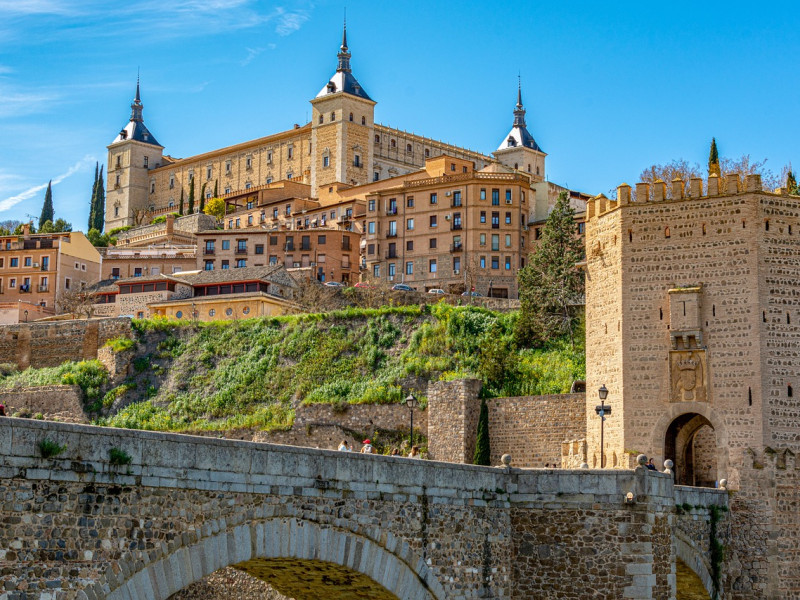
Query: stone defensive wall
(51, 343)
(172, 509)
(54, 402)
(361, 418)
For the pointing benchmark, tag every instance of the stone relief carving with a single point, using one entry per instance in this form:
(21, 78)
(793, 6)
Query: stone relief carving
(688, 376)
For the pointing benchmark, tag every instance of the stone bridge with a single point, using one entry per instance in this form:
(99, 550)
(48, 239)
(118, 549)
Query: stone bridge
(89, 524)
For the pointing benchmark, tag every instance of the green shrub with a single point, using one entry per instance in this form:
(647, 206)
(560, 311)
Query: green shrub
(119, 457)
(117, 392)
(120, 344)
(49, 449)
(141, 363)
(7, 369)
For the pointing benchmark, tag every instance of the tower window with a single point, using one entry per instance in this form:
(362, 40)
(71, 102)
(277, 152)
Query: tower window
(749, 397)
(351, 116)
(427, 153)
(393, 144)
(356, 161)
(321, 119)
(666, 232)
(146, 161)
(363, 120)
(766, 225)
(408, 148)
(119, 159)
(333, 116)
(789, 391)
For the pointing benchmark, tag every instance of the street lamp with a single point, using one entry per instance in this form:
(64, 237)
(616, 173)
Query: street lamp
(26, 316)
(602, 411)
(411, 402)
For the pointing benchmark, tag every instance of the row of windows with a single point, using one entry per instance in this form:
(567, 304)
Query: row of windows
(27, 261)
(240, 263)
(433, 266)
(409, 147)
(248, 164)
(213, 311)
(391, 208)
(457, 244)
(25, 286)
(321, 118)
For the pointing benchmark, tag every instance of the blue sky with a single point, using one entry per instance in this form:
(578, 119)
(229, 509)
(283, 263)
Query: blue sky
(610, 88)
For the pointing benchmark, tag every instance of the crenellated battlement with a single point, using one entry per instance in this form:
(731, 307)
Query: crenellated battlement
(782, 459)
(677, 190)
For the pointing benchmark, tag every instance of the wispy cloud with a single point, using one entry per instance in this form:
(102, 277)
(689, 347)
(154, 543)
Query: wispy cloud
(32, 191)
(289, 21)
(251, 54)
(37, 7)
(17, 103)
(5, 70)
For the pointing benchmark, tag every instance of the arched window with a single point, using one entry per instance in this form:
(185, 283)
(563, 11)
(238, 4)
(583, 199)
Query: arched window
(351, 116)
(321, 119)
(394, 144)
(408, 148)
(363, 120)
(666, 232)
(333, 116)
(377, 139)
(516, 166)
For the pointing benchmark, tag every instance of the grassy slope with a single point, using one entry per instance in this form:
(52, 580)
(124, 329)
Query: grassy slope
(247, 373)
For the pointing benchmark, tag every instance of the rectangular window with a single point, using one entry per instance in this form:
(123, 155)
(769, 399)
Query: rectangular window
(508, 218)
(370, 249)
(581, 228)
(508, 263)
(495, 220)
(14, 262)
(376, 270)
(391, 270)
(371, 205)
(28, 261)
(12, 283)
(432, 265)
(495, 242)
(410, 202)
(483, 216)
(238, 223)
(171, 181)
(457, 220)
(392, 229)
(457, 264)
(410, 224)
(483, 239)
(483, 193)
(273, 240)
(273, 260)
(326, 161)
(433, 198)
(288, 210)
(259, 248)
(508, 240)
(209, 266)
(274, 213)
(248, 163)
(432, 243)
(495, 262)
(376, 176)
(208, 172)
(226, 244)
(433, 221)
(409, 268)
(321, 240)
(495, 197)
(227, 167)
(483, 262)
(357, 161)
(409, 246)
(508, 196)
(457, 198)
(241, 263)
(226, 264)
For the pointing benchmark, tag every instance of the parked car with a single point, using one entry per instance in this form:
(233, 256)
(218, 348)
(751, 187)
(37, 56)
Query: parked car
(473, 294)
(335, 284)
(436, 291)
(402, 287)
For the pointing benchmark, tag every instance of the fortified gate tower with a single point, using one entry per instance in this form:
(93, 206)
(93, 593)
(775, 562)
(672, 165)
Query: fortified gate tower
(693, 325)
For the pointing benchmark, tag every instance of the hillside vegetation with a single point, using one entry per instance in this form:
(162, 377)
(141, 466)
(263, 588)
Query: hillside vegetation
(195, 376)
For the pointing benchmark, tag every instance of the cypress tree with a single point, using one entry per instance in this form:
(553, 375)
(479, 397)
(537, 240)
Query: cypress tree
(791, 183)
(100, 204)
(180, 209)
(191, 196)
(202, 197)
(216, 191)
(93, 202)
(482, 450)
(47, 207)
(713, 159)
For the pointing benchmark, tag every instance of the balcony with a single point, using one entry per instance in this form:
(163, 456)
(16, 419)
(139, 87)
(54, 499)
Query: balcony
(241, 250)
(288, 248)
(391, 254)
(25, 289)
(391, 234)
(456, 247)
(45, 267)
(208, 251)
(392, 210)
(42, 289)
(456, 203)
(305, 246)
(455, 226)
(346, 247)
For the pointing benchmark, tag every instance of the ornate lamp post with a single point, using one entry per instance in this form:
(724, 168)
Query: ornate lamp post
(411, 402)
(602, 410)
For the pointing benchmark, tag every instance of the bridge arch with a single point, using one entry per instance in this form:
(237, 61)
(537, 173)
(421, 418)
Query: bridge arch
(694, 580)
(269, 544)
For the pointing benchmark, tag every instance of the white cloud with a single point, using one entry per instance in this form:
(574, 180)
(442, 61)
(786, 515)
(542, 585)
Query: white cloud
(251, 54)
(37, 7)
(32, 191)
(289, 22)
(18, 103)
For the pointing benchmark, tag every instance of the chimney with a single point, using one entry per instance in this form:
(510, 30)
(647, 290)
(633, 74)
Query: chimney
(26, 229)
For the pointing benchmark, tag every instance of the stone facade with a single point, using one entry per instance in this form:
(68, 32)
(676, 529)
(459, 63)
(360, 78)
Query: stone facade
(361, 417)
(80, 527)
(453, 410)
(54, 402)
(50, 344)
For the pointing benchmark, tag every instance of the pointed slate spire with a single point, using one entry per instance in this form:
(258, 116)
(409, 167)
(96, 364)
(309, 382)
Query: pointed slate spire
(519, 134)
(136, 107)
(344, 53)
(519, 110)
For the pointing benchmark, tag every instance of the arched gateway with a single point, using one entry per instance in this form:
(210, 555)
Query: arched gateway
(690, 442)
(298, 558)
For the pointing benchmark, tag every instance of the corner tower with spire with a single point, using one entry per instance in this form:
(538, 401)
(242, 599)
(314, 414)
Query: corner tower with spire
(519, 149)
(342, 129)
(131, 155)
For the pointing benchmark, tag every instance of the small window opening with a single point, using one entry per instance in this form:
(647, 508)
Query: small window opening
(789, 391)
(630, 235)
(666, 232)
(766, 225)
(713, 310)
(788, 319)
(764, 316)
(660, 314)
(743, 223)
(749, 397)
(704, 228)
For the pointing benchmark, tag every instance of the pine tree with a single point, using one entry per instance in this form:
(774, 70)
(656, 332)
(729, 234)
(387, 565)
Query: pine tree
(482, 447)
(551, 284)
(47, 207)
(191, 196)
(93, 202)
(100, 204)
(713, 159)
(180, 208)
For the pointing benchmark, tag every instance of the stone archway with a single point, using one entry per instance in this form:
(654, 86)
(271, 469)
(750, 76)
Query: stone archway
(697, 427)
(690, 442)
(692, 578)
(343, 563)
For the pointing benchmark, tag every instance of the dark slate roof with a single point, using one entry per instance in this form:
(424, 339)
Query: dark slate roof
(343, 81)
(136, 130)
(272, 273)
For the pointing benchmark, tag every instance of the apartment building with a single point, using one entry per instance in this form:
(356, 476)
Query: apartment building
(457, 229)
(36, 268)
(125, 262)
